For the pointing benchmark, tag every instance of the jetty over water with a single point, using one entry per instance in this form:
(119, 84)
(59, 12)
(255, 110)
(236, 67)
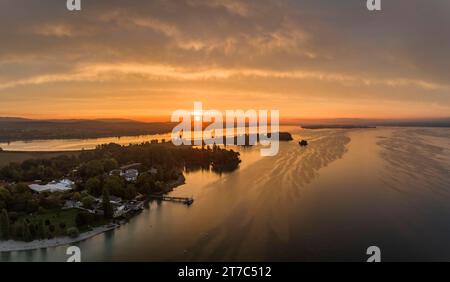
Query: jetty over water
(183, 200)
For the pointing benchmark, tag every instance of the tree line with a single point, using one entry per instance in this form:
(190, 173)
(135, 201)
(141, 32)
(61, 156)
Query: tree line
(160, 165)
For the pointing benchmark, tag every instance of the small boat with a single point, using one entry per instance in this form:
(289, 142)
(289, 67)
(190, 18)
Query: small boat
(189, 201)
(303, 143)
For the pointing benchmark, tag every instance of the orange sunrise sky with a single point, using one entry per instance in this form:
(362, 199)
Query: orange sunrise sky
(145, 59)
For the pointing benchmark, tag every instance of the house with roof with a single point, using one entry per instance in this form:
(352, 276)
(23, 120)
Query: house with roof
(54, 186)
(131, 175)
(129, 172)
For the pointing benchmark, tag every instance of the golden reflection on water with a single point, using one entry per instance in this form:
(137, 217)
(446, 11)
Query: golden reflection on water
(417, 157)
(257, 204)
(297, 166)
(327, 201)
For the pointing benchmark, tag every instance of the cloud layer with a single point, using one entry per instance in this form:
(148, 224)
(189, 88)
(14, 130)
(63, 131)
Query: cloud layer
(312, 58)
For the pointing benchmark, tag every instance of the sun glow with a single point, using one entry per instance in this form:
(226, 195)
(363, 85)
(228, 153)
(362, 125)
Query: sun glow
(197, 115)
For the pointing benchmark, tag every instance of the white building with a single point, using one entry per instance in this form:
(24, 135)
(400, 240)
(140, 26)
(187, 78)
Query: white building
(119, 211)
(61, 186)
(131, 175)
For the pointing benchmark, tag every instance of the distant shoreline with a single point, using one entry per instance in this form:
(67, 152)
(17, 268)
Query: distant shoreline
(40, 139)
(337, 127)
(350, 126)
(44, 152)
(14, 129)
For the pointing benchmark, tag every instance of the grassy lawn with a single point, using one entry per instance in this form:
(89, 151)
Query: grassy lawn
(67, 217)
(61, 220)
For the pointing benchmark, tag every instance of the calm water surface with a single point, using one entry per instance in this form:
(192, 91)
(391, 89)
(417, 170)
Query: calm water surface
(346, 191)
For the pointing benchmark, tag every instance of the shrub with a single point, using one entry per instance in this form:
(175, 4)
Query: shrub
(88, 202)
(41, 210)
(73, 232)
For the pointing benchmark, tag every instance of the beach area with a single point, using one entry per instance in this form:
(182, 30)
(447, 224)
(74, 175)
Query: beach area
(15, 246)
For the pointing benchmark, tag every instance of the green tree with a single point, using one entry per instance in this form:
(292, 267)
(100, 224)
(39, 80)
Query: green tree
(94, 186)
(146, 183)
(32, 206)
(50, 202)
(92, 168)
(130, 192)
(40, 232)
(26, 234)
(110, 164)
(11, 172)
(160, 186)
(115, 186)
(17, 230)
(5, 197)
(88, 202)
(4, 225)
(22, 188)
(73, 232)
(76, 196)
(107, 207)
(32, 228)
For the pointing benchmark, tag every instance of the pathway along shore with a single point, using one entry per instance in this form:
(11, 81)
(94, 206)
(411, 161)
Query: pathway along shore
(14, 246)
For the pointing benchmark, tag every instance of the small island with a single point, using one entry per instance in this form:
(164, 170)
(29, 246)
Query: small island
(80, 195)
(285, 136)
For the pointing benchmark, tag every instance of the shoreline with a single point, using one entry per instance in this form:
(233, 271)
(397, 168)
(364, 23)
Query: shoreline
(18, 246)
(45, 152)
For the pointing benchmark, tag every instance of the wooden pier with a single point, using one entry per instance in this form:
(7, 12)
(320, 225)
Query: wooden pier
(183, 200)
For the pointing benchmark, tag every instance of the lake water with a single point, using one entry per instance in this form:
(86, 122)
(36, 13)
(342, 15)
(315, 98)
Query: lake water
(331, 200)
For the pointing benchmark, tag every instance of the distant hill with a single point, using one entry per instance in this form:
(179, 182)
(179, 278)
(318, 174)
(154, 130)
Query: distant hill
(13, 119)
(363, 123)
(116, 120)
(14, 129)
